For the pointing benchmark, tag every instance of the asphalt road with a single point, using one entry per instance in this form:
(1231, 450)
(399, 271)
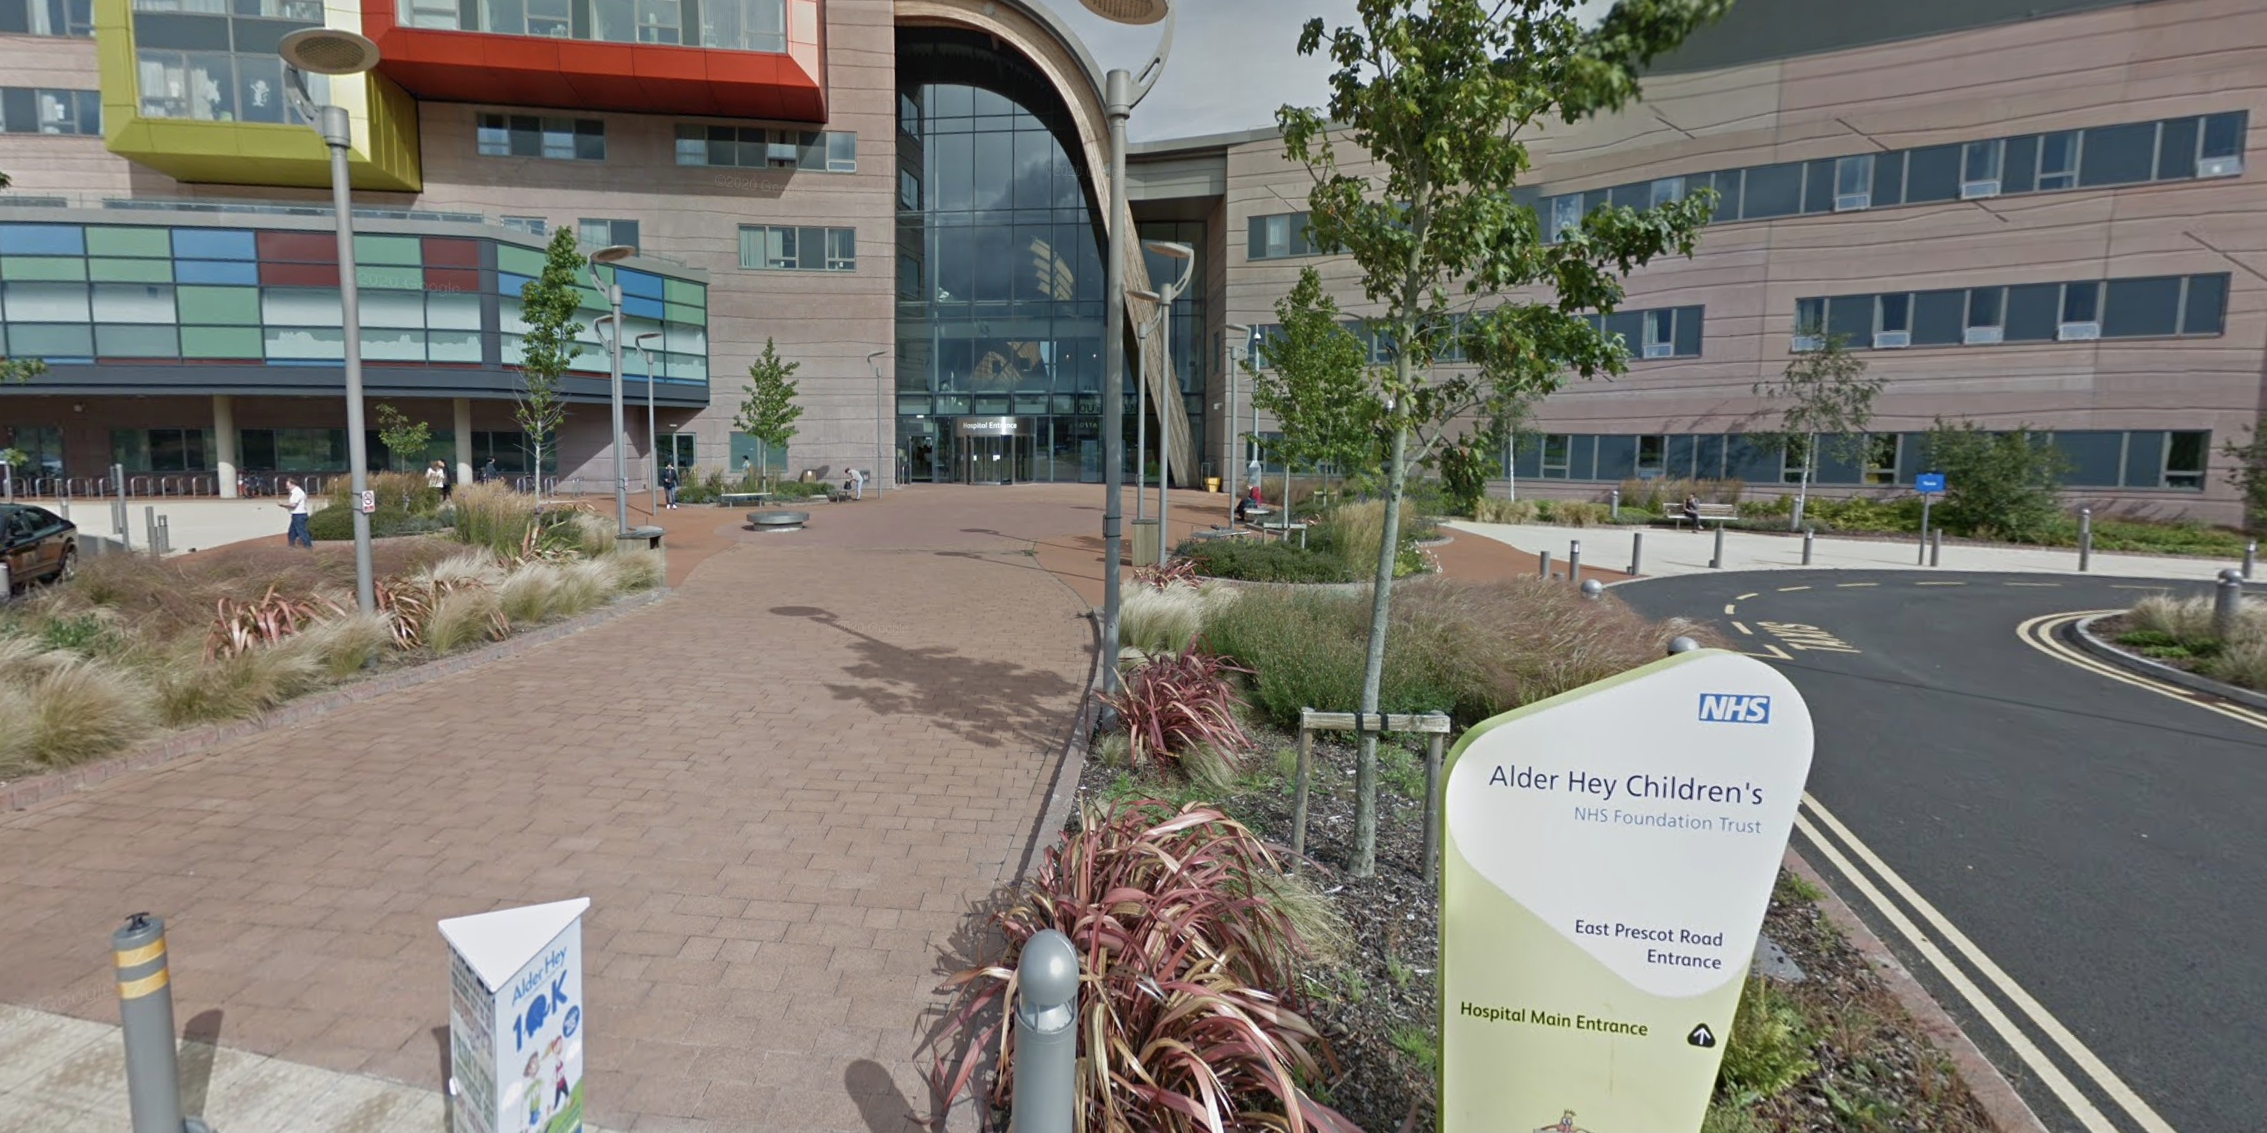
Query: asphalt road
(2103, 844)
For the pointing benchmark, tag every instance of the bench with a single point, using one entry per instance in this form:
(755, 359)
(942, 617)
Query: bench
(738, 499)
(1717, 513)
(778, 520)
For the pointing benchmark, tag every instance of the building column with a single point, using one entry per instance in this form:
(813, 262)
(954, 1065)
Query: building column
(463, 408)
(224, 439)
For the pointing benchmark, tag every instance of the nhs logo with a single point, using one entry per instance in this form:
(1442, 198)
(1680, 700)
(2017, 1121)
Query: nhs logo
(1734, 708)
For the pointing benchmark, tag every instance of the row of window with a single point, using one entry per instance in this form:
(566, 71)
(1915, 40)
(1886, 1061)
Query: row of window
(757, 147)
(217, 86)
(2171, 149)
(780, 247)
(1655, 333)
(47, 17)
(274, 450)
(1278, 236)
(529, 135)
(2096, 458)
(2080, 310)
(732, 25)
(34, 110)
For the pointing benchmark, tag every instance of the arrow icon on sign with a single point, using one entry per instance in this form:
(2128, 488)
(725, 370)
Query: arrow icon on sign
(1702, 1037)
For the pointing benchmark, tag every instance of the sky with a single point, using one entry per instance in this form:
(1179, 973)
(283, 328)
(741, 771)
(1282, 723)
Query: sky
(1233, 63)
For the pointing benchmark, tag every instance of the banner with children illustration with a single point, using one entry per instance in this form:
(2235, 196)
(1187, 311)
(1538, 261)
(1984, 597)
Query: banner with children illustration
(516, 1019)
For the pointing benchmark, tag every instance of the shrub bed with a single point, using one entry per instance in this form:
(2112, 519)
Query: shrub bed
(1263, 560)
(2178, 632)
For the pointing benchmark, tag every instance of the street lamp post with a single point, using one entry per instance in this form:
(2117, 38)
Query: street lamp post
(329, 51)
(1122, 91)
(881, 450)
(612, 289)
(1228, 444)
(1164, 323)
(652, 437)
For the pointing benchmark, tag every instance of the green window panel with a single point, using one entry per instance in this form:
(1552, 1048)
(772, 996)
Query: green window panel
(518, 261)
(15, 268)
(130, 271)
(678, 313)
(391, 278)
(391, 250)
(136, 342)
(683, 291)
(149, 242)
(590, 299)
(220, 342)
(233, 306)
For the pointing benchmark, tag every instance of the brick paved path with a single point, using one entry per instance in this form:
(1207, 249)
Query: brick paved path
(784, 788)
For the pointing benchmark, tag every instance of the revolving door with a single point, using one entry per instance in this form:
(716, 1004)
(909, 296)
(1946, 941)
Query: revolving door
(991, 450)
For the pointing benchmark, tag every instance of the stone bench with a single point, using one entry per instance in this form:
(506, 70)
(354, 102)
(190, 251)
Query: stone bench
(741, 499)
(778, 520)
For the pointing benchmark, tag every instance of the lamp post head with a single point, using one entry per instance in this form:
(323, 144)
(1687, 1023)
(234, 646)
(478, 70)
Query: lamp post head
(1170, 248)
(328, 51)
(1144, 293)
(648, 336)
(1128, 11)
(613, 253)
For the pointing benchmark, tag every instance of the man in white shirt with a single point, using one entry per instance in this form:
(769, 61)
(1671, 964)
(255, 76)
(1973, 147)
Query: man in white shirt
(296, 504)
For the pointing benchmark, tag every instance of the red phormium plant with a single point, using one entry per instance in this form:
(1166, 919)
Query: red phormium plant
(1174, 701)
(1188, 1005)
(1181, 571)
(239, 625)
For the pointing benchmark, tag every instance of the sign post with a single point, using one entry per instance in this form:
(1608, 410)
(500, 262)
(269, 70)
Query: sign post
(1609, 855)
(1929, 485)
(516, 1019)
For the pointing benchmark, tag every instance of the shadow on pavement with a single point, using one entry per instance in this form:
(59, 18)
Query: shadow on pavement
(200, 1039)
(986, 702)
(879, 1101)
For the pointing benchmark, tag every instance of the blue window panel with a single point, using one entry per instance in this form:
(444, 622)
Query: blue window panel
(213, 244)
(2144, 459)
(215, 271)
(42, 240)
(1708, 456)
(1751, 462)
(645, 285)
(1834, 463)
(641, 307)
(1527, 458)
(2094, 457)
(1617, 456)
(1677, 459)
(509, 284)
(1582, 457)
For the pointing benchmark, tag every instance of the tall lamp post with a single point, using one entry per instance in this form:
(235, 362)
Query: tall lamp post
(1164, 323)
(612, 289)
(1228, 424)
(1122, 91)
(652, 437)
(881, 447)
(329, 51)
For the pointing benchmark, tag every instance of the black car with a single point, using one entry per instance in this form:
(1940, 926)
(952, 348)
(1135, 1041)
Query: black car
(37, 544)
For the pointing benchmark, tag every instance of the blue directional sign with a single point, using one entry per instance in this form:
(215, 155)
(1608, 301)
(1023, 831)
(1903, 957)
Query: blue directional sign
(1929, 482)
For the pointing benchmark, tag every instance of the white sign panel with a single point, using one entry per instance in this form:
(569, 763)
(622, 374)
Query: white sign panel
(516, 1019)
(369, 502)
(1608, 857)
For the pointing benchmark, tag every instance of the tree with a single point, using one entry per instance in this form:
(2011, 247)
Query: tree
(401, 436)
(548, 306)
(1997, 484)
(2249, 474)
(1311, 376)
(1825, 390)
(767, 405)
(1435, 94)
(15, 370)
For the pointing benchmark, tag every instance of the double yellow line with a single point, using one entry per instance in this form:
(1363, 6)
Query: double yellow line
(2040, 633)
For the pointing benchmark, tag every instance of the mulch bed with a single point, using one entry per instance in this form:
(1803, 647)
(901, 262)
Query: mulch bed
(1875, 1071)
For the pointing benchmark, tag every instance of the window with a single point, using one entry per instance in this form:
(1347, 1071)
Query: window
(442, 14)
(2203, 308)
(1880, 459)
(1810, 324)
(2184, 459)
(1660, 333)
(754, 147)
(559, 139)
(1793, 460)
(600, 232)
(2081, 312)
(773, 247)
(1979, 168)
(532, 225)
(1773, 190)
(1652, 456)
(2142, 308)
(2058, 160)
(744, 25)
(1667, 189)
(1893, 321)
(908, 190)
(842, 151)
(1278, 236)
(908, 116)
(2220, 153)
(1853, 183)
(28, 110)
(1985, 307)
(2118, 155)
(1556, 449)
(47, 17)
(1566, 215)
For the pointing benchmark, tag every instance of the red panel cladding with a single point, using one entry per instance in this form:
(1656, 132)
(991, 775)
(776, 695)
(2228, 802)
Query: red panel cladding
(448, 251)
(299, 275)
(452, 279)
(298, 247)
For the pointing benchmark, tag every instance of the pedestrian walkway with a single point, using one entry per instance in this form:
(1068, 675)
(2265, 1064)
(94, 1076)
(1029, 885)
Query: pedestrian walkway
(788, 789)
(1668, 552)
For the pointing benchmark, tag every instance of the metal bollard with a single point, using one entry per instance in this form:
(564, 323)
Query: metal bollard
(1046, 1037)
(2085, 537)
(1810, 536)
(1592, 588)
(2250, 555)
(1636, 551)
(1682, 644)
(1936, 546)
(1617, 505)
(149, 530)
(164, 537)
(145, 1008)
(1716, 561)
(2227, 604)
(1543, 565)
(1574, 560)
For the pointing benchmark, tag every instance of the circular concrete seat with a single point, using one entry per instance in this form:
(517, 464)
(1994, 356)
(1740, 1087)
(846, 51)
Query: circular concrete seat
(778, 520)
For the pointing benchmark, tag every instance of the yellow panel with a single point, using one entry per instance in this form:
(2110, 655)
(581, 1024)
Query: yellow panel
(383, 154)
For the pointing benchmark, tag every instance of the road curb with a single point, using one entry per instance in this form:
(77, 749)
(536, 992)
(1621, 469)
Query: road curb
(2008, 1111)
(2082, 635)
(1071, 764)
(38, 789)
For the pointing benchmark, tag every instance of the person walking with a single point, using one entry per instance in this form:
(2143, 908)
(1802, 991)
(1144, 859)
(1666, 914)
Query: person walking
(437, 478)
(296, 503)
(488, 471)
(669, 484)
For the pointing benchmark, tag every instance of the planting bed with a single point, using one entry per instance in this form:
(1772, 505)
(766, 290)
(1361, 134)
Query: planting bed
(1870, 1066)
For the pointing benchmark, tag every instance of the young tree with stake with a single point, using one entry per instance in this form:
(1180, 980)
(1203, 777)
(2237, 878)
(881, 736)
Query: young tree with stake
(1311, 376)
(1435, 96)
(767, 405)
(403, 438)
(548, 305)
(1826, 392)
